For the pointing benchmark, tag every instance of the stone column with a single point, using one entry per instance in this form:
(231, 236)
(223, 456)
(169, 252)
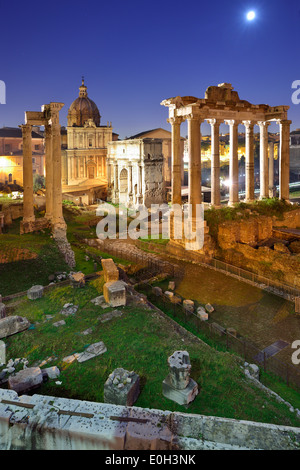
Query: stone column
(233, 162)
(284, 162)
(116, 183)
(129, 173)
(194, 152)
(249, 125)
(264, 168)
(57, 220)
(271, 169)
(215, 162)
(28, 210)
(176, 160)
(49, 173)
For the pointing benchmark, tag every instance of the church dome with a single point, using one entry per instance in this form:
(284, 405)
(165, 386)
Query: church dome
(83, 109)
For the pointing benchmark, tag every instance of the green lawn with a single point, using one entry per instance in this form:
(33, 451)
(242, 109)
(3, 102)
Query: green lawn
(140, 340)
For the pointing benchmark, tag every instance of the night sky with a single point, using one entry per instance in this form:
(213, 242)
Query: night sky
(133, 54)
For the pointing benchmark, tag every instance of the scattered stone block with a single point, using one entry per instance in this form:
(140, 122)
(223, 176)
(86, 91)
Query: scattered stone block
(188, 305)
(202, 314)
(77, 279)
(157, 291)
(175, 299)
(52, 372)
(100, 302)
(169, 294)
(2, 352)
(93, 350)
(12, 325)
(59, 323)
(209, 308)
(110, 315)
(35, 292)
(115, 293)
(26, 380)
(122, 387)
(178, 386)
(281, 248)
(2, 310)
(71, 358)
(69, 309)
(171, 285)
(110, 270)
(253, 370)
(89, 331)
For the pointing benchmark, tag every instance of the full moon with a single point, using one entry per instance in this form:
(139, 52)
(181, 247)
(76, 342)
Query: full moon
(250, 15)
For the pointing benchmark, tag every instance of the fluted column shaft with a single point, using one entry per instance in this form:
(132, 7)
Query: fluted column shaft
(264, 168)
(233, 162)
(176, 160)
(194, 152)
(284, 165)
(28, 209)
(215, 162)
(249, 161)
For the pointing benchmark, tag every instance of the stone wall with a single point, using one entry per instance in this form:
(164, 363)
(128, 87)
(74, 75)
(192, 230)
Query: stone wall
(250, 231)
(47, 423)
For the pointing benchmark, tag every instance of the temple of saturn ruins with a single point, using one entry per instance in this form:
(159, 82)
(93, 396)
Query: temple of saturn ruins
(49, 118)
(222, 104)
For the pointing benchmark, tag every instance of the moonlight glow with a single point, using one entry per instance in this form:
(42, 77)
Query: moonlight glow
(251, 15)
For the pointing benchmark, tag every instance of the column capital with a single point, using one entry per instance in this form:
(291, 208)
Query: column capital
(249, 124)
(214, 121)
(175, 120)
(26, 128)
(232, 122)
(263, 124)
(284, 122)
(194, 117)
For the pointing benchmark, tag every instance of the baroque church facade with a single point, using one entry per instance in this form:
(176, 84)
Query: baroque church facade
(84, 170)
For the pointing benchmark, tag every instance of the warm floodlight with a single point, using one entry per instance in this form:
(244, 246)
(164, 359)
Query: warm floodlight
(251, 15)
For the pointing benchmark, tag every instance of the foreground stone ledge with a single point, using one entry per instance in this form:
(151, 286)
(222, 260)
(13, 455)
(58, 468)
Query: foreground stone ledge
(50, 423)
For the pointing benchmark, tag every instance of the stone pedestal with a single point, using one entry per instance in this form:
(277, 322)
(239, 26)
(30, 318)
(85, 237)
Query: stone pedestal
(178, 386)
(110, 270)
(35, 292)
(122, 387)
(77, 280)
(115, 293)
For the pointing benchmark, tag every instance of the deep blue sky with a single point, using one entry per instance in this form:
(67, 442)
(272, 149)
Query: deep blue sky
(134, 54)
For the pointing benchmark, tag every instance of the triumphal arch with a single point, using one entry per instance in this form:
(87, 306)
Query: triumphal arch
(49, 118)
(222, 104)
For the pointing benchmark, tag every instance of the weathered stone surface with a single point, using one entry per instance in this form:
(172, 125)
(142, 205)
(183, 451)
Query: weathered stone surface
(178, 386)
(110, 315)
(59, 323)
(2, 310)
(122, 387)
(69, 309)
(281, 248)
(52, 372)
(77, 279)
(175, 299)
(26, 380)
(2, 352)
(209, 308)
(11, 325)
(115, 293)
(188, 305)
(110, 270)
(253, 370)
(169, 294)
(71, 358)
(100, 302)
(202, 314)
(35, 292)
(93, 350)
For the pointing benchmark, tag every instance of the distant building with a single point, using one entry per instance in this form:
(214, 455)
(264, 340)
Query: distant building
(165, 136)
(135, 172)
(84, 149)
(11, 155)
(295, 152)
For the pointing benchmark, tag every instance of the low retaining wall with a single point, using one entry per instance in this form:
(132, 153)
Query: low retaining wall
(47, 423)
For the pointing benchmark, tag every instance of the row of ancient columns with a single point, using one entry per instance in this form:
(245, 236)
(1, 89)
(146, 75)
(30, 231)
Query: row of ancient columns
(53, 174)
(194, 154)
